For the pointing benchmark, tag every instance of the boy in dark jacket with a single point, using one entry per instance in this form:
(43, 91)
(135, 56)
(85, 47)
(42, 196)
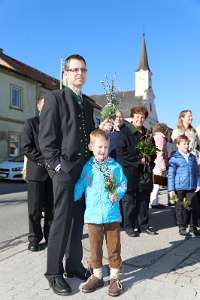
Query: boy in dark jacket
(184, 183)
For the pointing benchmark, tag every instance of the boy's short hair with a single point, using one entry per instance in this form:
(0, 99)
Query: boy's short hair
(180, 138)
(98, 133)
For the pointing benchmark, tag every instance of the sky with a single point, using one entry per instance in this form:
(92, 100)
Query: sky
(108, 34)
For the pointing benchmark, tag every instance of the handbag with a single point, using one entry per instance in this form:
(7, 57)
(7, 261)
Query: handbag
(145, 179)
(161, 180)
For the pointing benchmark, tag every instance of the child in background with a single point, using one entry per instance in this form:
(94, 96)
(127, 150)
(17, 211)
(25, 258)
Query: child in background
(160, 133)
(104, 184)
(184, 182)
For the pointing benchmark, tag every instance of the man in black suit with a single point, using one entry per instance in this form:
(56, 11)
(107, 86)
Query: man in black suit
(40, 192)
(65, 123)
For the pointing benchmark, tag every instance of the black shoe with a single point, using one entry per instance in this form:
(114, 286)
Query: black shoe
(129, 231)
(60, 286)
(150, 231)
(136, 233)
(183, 231)
(82, 274)
(158, 206)
(132, 233)
(194, 231)
(33, 247)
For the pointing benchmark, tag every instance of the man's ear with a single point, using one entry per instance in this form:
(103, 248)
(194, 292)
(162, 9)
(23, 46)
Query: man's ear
(90, 147)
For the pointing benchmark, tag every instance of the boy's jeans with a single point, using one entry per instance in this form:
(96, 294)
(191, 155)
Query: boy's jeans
(96, 234)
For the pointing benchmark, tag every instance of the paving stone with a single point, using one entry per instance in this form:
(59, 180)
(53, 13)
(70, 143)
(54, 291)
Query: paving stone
(164, 267)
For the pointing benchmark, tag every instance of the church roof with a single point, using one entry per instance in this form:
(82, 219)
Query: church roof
(143, 65)
(127, 100)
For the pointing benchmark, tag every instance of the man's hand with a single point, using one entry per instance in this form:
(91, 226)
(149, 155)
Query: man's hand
(106, 125)
(116, 127)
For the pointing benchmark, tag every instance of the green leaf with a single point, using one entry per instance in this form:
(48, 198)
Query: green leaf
(108, 112)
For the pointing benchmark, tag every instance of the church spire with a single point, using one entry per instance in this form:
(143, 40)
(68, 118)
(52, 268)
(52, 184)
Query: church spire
(143, 56)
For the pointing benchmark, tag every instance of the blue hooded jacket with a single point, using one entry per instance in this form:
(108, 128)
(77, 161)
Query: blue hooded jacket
(99, 207)
(183, 175)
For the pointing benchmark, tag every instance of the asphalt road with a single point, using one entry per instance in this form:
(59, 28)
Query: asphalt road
(13, 221)
(7, 187)
(13, 211)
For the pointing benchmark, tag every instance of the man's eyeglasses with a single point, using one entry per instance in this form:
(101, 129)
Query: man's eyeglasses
(76, 70)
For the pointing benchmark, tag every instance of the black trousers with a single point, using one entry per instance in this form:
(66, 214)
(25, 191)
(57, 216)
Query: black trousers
(66, 229)
(74, 249)
(136, 210)
(40, 198)
(143, 216)
(130, 207)
(184, 216)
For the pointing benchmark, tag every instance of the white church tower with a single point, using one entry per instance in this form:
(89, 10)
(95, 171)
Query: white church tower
(143, 84)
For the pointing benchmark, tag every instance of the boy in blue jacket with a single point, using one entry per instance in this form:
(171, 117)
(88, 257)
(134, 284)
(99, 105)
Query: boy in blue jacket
(104, 184)
(184, 183)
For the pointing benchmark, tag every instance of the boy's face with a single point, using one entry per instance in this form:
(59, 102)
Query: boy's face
(183, 146)
(99, 147)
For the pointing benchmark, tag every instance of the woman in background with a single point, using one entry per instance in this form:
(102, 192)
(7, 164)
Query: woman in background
(184, 126)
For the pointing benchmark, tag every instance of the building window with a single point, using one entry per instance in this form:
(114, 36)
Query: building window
(16, 97)
(13, 144)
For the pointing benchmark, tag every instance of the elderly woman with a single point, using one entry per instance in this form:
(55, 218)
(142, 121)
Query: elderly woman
(137, 197)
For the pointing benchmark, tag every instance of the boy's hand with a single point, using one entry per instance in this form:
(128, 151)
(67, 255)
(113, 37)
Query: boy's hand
(197, 189)
(171, 194)
(114, 198)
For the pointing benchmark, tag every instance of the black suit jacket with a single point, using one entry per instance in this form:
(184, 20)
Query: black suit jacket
(59, 133)
(128, 156)
(35, 169)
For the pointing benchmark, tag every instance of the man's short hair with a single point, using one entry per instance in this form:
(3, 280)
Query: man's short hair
(73, 56)
(181, 138)
(139, 110)
(98, 133)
